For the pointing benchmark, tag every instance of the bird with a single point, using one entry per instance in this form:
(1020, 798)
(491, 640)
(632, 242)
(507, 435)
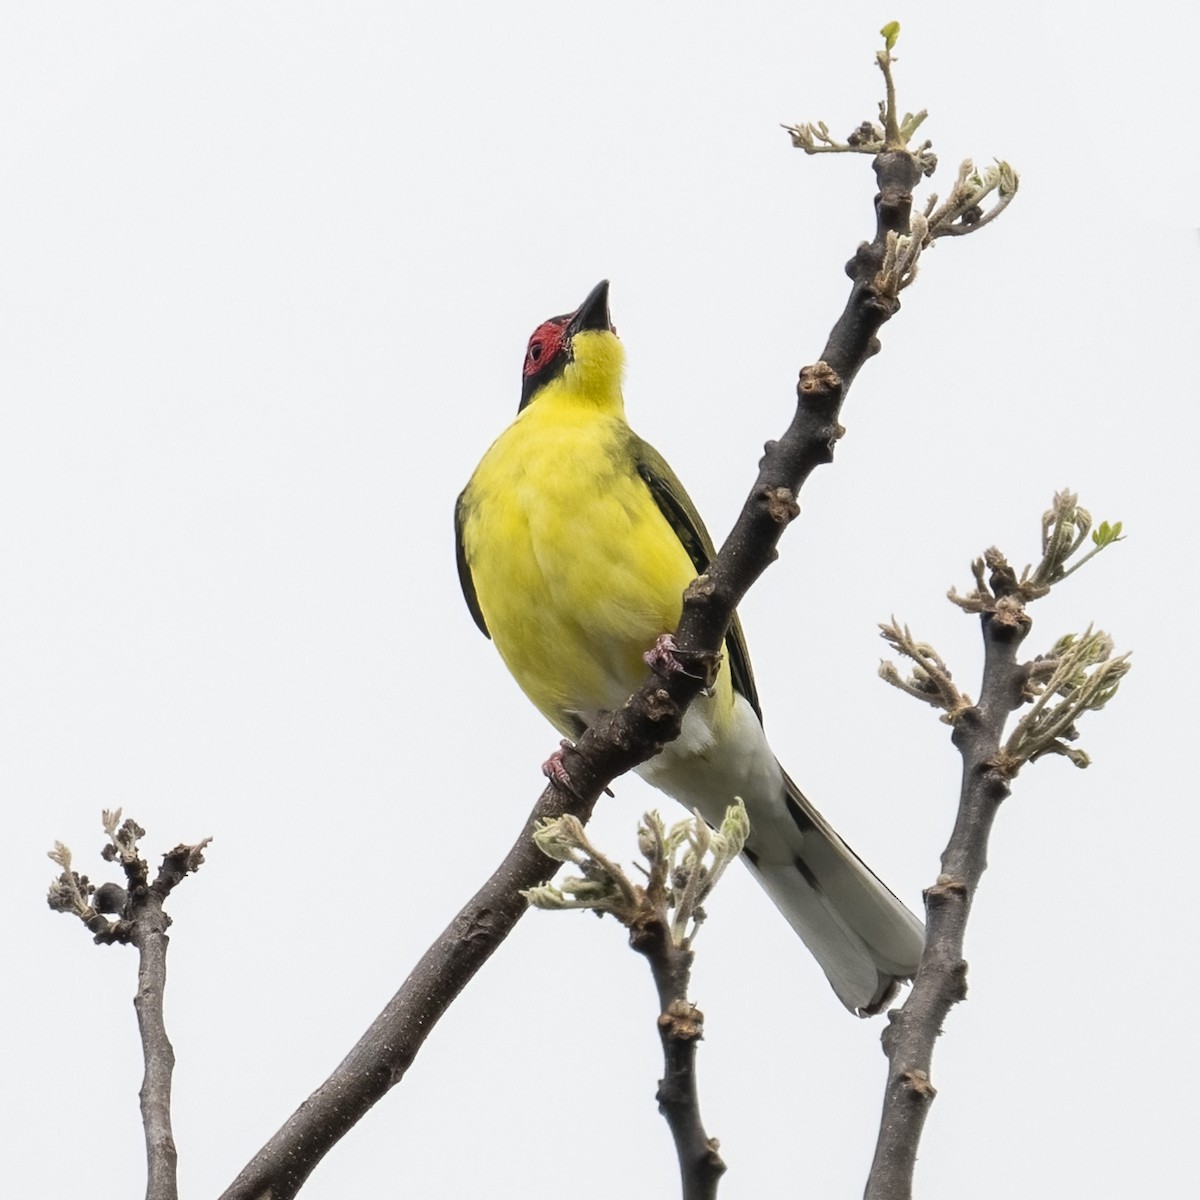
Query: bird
(575, 542)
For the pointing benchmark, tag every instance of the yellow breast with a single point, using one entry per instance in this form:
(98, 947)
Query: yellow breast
(575, 568)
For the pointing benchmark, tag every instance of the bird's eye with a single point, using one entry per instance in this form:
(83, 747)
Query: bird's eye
(543, 348)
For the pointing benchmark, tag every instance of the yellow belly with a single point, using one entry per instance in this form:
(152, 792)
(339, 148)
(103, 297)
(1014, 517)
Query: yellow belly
(575, 568)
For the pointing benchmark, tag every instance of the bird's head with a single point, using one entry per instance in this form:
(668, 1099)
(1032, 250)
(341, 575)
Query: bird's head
(579, 348)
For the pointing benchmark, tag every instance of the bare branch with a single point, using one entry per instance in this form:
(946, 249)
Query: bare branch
(1079, 676)
(385, 1052)
(941, 981)
(143, 922)
(684, 864)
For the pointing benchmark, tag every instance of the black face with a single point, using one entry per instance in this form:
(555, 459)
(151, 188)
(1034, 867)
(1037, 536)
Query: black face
(545, 357)
(549, 348)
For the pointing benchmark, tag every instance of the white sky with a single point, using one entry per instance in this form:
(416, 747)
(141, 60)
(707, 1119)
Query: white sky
(267, 272)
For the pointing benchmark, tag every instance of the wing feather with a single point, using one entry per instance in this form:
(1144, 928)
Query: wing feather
(464, 567)
(675, 504)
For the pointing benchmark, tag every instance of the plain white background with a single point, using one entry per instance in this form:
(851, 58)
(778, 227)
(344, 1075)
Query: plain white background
(266, 274)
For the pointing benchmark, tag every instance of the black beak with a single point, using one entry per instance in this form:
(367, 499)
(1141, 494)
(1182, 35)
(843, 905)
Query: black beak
(592, 313)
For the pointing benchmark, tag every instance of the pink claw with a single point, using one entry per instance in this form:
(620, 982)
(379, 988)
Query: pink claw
(661, 658)
(554, 769)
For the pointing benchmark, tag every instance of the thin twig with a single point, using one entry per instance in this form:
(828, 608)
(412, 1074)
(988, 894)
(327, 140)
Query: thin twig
(143, 923)
(680, 1028)
(684, 865)
(664, 942)
(1080, 675)
(941, 981)
(149, 935)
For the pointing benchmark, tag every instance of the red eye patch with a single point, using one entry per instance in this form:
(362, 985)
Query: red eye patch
(544, 346)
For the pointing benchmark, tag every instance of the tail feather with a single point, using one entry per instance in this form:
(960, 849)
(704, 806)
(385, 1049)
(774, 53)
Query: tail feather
(864, 938)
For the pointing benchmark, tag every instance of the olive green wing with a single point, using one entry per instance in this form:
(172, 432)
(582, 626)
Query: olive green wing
(675, 504)
(464, 567)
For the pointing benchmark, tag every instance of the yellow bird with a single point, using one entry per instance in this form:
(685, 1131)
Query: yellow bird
(575, 544)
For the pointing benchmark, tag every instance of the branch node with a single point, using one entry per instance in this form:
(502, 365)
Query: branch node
(682, 1021)
(701, 588)
(661, 707)
(781, 505)
(820, 389)
(958, 982)
(1005, 765)
(918, 1085)
(946, 890)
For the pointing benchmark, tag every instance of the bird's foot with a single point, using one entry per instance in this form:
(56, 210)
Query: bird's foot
(556, 771)
(664, 659)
